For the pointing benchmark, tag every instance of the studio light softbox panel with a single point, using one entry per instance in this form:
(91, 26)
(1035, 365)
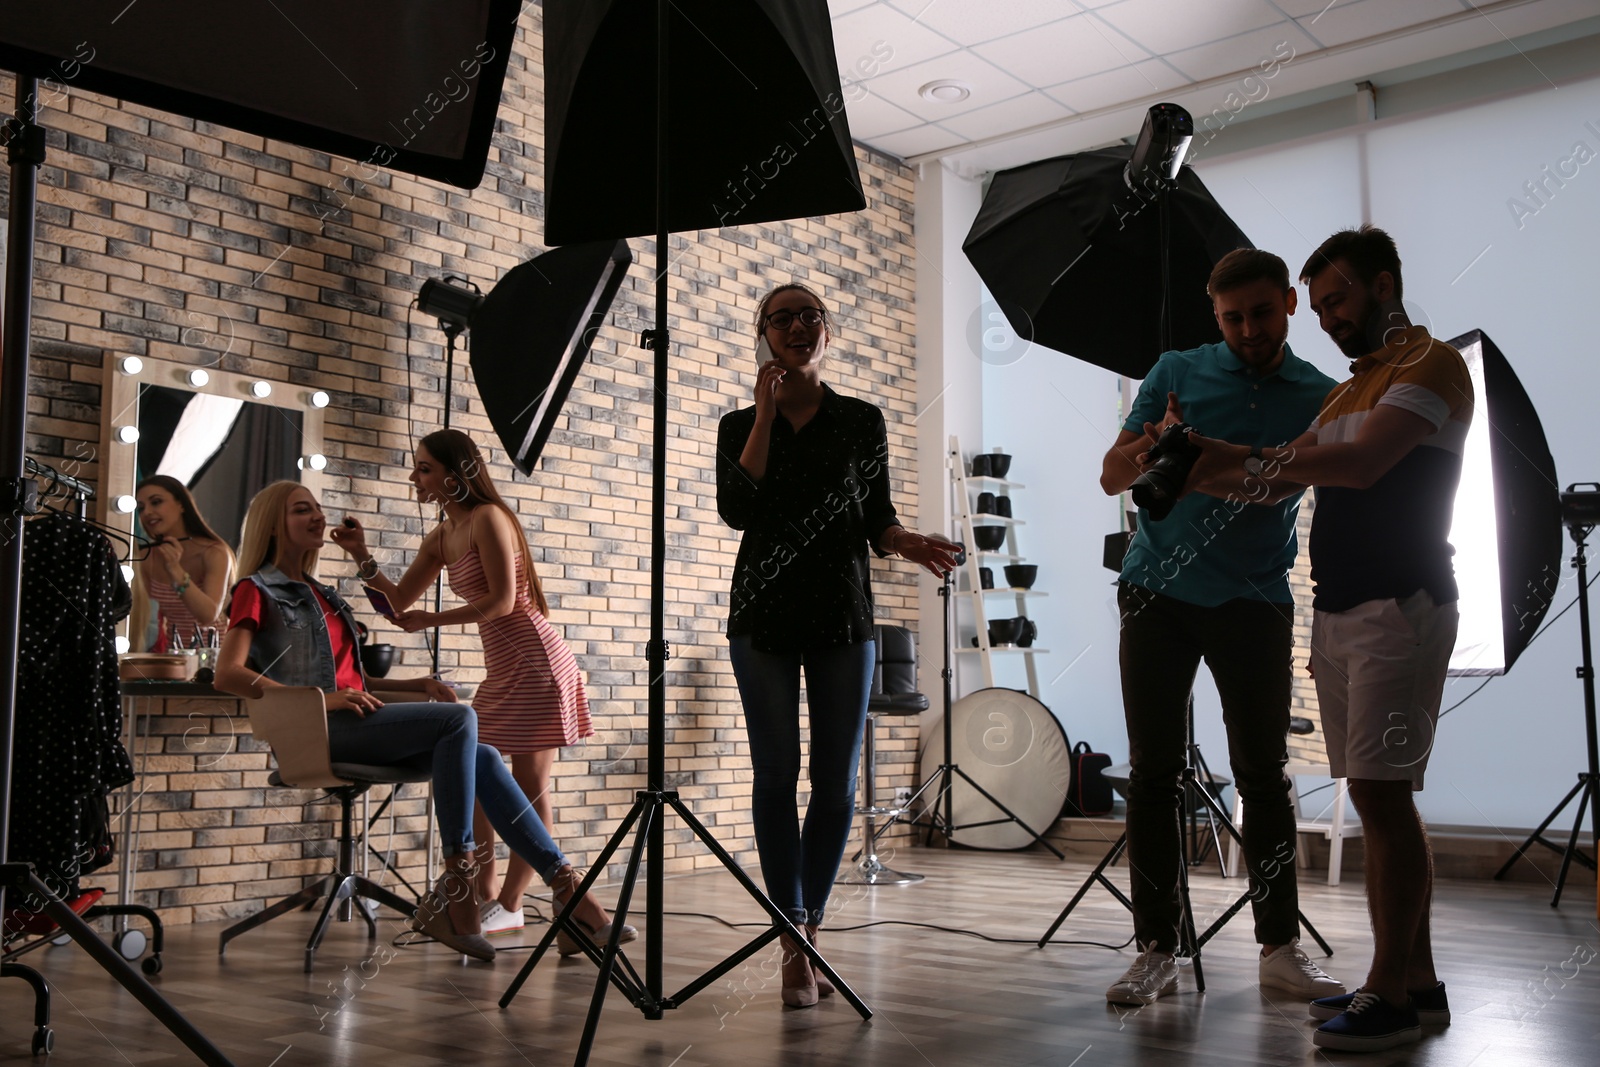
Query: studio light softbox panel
(1506, 527)
(402, 85)
(531, 336)
(756, 131)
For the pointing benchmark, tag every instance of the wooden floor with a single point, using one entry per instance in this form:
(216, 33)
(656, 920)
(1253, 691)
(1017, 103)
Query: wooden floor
(1524, 983)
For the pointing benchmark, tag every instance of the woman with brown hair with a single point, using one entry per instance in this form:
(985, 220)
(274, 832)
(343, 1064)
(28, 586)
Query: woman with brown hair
(532, 699)
(188, 571)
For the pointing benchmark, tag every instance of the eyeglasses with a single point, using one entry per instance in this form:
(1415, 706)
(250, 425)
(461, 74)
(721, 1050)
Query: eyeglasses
(809, 318)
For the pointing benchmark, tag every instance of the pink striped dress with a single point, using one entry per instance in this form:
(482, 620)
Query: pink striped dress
(533, 697)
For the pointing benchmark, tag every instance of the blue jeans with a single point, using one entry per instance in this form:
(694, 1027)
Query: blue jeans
(798, 864)
(443, 738)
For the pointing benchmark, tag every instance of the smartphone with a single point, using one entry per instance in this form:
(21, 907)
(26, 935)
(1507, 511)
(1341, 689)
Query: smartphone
(380, 603)
(763, 353)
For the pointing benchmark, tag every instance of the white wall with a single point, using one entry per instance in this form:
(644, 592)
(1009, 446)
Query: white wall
(1440, 183)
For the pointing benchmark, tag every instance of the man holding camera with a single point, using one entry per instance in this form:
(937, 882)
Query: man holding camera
(1386, 454)
(1210, 581)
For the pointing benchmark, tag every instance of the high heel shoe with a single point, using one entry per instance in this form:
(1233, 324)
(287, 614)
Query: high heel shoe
(824, 987)
(449, 914)
(799, 982)
(589, 914)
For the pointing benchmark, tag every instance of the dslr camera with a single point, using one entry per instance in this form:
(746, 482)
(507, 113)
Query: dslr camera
(1172, 457)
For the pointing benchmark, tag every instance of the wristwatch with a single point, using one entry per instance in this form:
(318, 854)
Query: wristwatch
(367, 569)
(1255, 464)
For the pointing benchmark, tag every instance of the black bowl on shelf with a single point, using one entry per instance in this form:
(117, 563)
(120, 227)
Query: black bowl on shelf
(1006, 631)
(981, 467)
(989, 538)
(1022, 575)
(999, 464)
(986, 504)
(1002, 506)
(986, 577)
(1030, 634)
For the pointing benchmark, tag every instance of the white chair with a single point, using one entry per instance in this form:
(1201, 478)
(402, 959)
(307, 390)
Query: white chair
(293, 720)
(1332, 821)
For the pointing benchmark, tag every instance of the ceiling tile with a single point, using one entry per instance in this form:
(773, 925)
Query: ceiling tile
(1163, 26)
(1049, 55)
(841, 7)
(1346, 21)
(972, 23)
(1018, 113)
(929, 138)
(872, 116)
(989, 85)
(884, 39)
(1115, 86)
(1256, 50)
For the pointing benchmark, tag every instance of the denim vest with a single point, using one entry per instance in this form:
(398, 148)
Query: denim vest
(291, 646)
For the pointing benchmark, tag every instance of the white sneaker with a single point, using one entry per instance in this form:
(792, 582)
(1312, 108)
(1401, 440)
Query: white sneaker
(497, 920)
(1292, 971)
(1154, 974)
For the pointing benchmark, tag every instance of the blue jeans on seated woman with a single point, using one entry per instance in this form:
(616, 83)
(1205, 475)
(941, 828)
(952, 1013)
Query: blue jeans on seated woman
(799, 864)
(443, 738)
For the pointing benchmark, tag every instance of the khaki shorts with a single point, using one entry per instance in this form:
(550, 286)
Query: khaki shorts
(1380, 670)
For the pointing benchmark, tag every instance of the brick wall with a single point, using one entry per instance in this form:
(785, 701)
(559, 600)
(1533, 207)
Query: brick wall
(165, 237)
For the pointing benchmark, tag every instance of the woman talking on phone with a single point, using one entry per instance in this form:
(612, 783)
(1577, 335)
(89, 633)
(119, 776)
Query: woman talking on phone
(286, 628)
(804, 473)
(532, 699)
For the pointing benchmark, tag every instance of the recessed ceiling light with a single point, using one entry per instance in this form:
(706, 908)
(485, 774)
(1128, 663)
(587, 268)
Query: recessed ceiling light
(945, 91)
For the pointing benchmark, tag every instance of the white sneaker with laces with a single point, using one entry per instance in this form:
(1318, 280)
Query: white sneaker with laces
(1292, 971)
(495, 919)
(1154, 974)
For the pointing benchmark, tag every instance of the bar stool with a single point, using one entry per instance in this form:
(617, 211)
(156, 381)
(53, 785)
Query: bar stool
(894, 692)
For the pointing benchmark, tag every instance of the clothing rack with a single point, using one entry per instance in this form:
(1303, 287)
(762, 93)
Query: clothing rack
(80, 491)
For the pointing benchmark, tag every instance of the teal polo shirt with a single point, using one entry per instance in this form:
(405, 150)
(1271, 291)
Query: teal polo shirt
(1208, 551)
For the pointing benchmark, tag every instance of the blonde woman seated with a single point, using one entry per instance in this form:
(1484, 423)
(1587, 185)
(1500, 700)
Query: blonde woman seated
(286, 628)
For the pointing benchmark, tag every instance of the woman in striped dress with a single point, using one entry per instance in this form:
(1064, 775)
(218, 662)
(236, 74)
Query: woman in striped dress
(532, 699)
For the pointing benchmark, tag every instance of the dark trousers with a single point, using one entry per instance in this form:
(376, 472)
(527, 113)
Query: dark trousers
(799, 863)
(1247, 644)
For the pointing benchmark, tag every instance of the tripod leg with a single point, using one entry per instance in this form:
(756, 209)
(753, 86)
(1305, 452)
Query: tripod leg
(1537, 835)
(617, 838)
(785, 925)
(1097, 875)
(1187, 933)
(1572, 842)
(651, 811)
(1009, 814)
(1327, 949)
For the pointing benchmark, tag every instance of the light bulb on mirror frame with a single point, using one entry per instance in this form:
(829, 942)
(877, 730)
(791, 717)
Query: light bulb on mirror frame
(316, 461)
(128, 434)
(260, 390)
(130, 365)
(126, 504)
(198, 377)
(320, 399)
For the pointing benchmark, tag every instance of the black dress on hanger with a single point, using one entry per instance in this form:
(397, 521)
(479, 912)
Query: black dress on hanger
(68, 753)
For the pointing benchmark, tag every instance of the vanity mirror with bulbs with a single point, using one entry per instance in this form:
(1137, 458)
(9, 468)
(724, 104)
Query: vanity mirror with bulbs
(225, 435)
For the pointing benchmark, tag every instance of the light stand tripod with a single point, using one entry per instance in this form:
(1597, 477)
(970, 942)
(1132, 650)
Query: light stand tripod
(649, 810)
(1580, 513)
(1189, 942)
(945, 776)
(27, 153)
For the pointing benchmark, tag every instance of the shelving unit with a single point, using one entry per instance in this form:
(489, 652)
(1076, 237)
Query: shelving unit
(974, 596)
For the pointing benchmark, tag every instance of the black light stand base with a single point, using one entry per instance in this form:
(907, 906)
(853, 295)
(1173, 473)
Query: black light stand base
(944, 778)
(648, 809)
(19, 878)
(1588, 792)
(1189, 944)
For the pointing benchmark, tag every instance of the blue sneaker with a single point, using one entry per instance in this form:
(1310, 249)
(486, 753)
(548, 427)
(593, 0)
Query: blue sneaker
(1433, 1007)
(1369, 1024)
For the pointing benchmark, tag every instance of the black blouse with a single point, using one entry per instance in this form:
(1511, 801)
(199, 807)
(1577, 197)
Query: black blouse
(802, 579)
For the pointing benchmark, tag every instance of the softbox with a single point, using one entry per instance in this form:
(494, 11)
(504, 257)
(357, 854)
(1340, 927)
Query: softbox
(773, 146)
(411, 87)
(1506, 527)
(532, 334)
